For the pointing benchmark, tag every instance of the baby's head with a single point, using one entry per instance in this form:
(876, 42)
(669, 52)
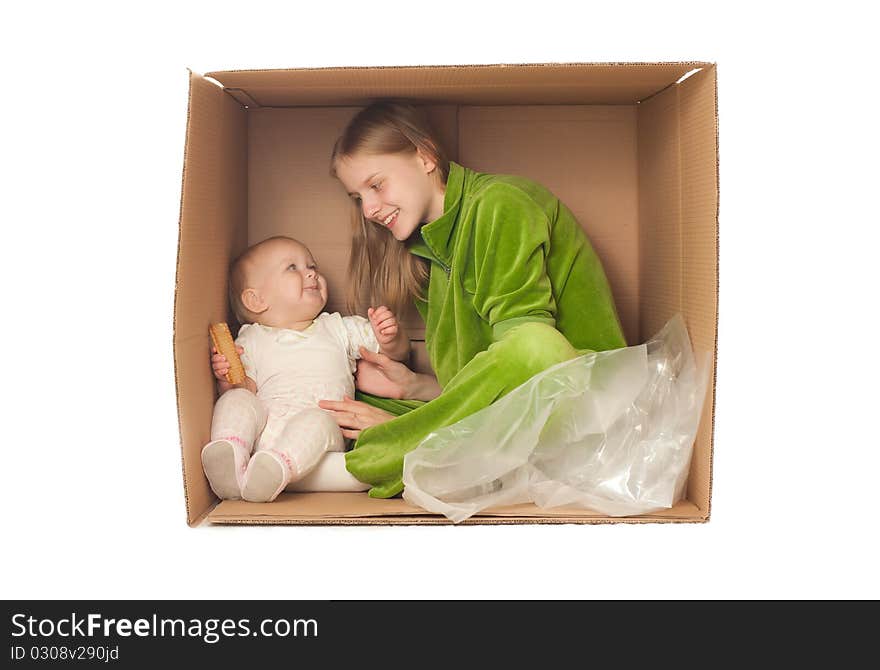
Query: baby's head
(276, 283)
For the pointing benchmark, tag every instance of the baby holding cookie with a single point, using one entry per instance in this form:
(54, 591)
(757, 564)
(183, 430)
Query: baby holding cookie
(268, 432)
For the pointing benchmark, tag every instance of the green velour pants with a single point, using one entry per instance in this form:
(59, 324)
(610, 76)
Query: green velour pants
(522, 352)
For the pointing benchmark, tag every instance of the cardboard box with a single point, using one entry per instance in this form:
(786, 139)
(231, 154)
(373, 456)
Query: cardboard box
(632, 149)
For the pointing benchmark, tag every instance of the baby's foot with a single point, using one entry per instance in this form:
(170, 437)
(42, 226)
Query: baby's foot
(225, 463)
(267, 475)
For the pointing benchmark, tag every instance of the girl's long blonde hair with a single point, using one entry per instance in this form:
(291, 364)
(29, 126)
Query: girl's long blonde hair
(381, 270)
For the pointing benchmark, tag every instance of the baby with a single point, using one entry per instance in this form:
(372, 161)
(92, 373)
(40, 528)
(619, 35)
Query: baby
(269, 431)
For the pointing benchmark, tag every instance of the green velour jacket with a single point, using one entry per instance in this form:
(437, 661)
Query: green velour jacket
(511, 269)
(506, 251)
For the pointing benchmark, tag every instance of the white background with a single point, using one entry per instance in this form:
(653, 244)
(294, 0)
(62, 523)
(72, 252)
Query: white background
(93, 122)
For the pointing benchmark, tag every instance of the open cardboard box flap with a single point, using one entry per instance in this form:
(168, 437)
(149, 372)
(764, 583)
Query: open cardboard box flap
(632, 149)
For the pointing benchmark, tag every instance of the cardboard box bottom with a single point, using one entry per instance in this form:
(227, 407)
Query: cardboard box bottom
(359, 509)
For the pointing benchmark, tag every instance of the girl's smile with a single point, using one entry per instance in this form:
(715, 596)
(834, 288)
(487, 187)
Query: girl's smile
(389, 220)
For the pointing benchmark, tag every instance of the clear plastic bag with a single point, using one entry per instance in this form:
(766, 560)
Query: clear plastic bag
(611, 431)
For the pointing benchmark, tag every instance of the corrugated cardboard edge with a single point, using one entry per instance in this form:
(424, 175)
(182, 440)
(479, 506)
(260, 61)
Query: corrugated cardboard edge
(266, 89)
(442, 521)
(335, 509)
(198, 520)
(658, 64)
(717, 287)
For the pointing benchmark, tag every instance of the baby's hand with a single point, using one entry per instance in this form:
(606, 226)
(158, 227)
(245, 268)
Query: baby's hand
(384, 324)
(221, 367)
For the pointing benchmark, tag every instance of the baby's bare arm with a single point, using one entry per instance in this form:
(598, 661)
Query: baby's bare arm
(393, 341)
(398, 348)
(221, 366)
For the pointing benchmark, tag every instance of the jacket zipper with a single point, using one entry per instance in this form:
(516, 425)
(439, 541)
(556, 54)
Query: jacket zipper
(436, 257)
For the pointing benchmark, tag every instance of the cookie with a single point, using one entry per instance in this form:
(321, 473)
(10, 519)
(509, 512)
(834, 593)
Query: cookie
(222, 339)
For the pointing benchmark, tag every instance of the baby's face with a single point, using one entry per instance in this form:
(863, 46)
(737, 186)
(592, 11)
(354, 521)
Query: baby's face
(292, 287)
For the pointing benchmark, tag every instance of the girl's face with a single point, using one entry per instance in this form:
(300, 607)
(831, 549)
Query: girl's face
(396, 191)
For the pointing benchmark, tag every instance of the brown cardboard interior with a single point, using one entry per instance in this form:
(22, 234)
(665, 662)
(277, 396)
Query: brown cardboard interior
(629, 150)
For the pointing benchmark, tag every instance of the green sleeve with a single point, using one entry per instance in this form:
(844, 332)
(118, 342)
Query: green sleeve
(511, 243)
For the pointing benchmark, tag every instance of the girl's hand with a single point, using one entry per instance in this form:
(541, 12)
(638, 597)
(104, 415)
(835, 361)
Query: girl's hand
(353, 416)
(383, 376)
(384, 324)
(221, 366)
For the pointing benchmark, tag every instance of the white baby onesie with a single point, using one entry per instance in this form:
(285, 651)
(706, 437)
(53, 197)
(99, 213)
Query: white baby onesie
(293, 370)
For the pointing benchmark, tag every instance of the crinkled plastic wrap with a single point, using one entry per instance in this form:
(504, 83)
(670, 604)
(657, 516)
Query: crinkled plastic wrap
(611, 431)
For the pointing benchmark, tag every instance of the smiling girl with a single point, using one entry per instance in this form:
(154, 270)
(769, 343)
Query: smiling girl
(499, 269)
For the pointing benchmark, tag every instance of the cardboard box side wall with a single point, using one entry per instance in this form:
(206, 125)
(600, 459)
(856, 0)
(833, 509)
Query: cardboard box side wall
(633, 218)
(699, 225)
(213, 220)
(678, 233)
